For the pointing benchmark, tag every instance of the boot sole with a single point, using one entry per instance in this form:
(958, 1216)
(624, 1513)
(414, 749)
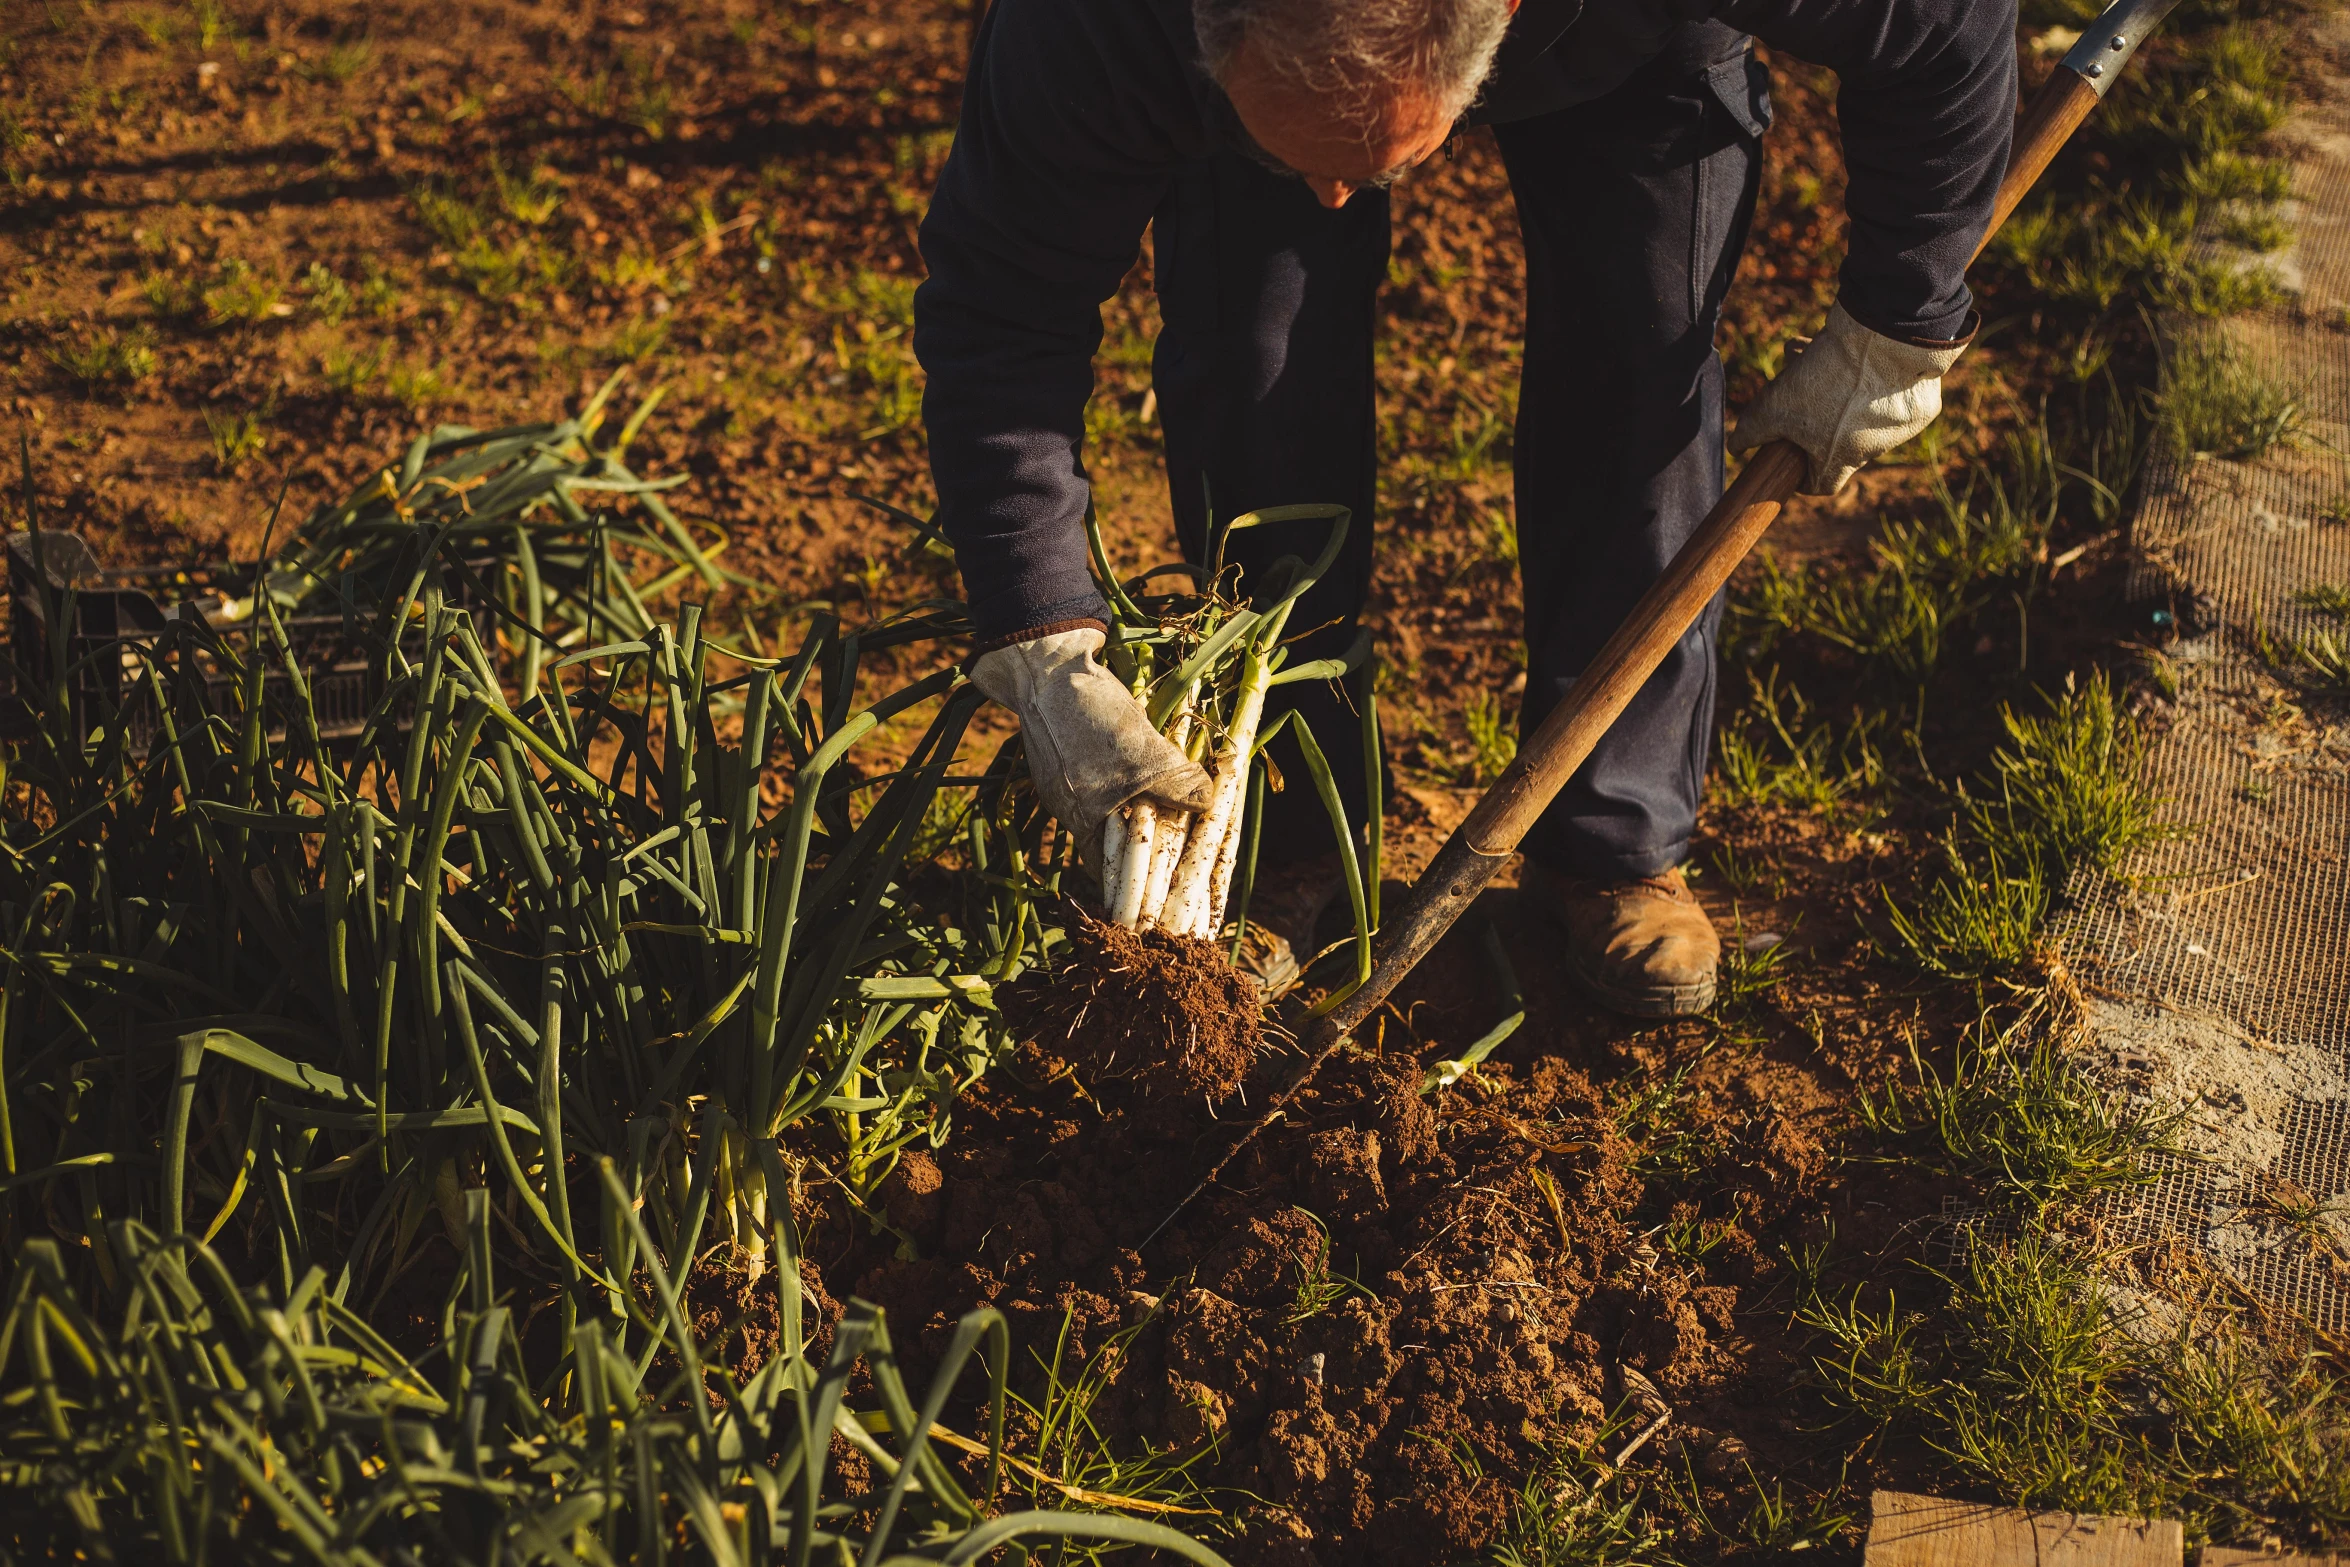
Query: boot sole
(1660, 1002)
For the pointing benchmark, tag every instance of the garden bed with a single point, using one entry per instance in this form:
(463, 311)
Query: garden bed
(1609, 1293)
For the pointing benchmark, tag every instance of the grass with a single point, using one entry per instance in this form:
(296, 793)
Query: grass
(243, 295)
(107, 356)
(344, 60)
(1980, 915)
(493, 241)
(2022, 1119)
(1493, 737)
(330, 297)
(2067, 789)
(1779, 753)
(2214, 402)
(1575, 1509)
(350, 372)
(1318, 1286)
(2325, 653)
(1073, 1465)
(638, 339)
(2071, 781)
(1663, 1118)
(236, 438)
(415, 386)
(2020, 1370)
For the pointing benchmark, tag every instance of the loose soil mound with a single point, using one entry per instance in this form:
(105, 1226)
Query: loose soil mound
(1164, 1013)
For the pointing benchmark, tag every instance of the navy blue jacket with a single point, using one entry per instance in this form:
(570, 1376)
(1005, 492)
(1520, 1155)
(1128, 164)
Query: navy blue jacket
(1077, 113)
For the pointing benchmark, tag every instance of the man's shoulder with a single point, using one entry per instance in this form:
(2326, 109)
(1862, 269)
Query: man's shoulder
(1098, 76)
(1132, 33)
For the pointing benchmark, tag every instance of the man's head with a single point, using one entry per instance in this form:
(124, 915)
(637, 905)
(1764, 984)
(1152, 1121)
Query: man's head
(1349, 93)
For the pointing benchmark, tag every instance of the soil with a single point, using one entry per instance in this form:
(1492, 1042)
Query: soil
(1155, 1012)
(732, 189)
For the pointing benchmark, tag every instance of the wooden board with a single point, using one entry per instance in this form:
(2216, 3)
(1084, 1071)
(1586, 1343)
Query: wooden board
(1928, 1531)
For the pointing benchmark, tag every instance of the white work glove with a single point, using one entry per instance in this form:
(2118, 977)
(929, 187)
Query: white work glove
(1851, 397)
(1091, 747)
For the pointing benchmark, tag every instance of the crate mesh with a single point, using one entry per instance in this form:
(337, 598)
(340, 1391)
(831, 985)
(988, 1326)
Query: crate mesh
(2217, 969)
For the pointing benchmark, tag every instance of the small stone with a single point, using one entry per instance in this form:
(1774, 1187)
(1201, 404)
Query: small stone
(1727, 1458)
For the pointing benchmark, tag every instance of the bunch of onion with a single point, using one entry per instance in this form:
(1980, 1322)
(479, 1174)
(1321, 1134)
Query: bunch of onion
(1202, 663)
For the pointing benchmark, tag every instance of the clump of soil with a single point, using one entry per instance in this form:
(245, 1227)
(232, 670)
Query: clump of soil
(1165, 1013)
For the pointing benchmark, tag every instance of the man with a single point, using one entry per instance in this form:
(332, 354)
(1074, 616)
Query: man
(1256, 138)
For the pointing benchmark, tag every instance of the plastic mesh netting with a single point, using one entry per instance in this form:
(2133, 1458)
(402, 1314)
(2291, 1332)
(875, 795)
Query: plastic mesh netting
(2217, 971)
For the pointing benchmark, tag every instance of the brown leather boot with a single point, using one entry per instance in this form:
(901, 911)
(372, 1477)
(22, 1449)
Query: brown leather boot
(1643, 948)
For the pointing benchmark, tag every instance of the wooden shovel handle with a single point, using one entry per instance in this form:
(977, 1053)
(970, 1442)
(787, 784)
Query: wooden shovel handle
(2047, 123)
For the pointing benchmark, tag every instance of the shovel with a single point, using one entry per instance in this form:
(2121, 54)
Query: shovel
(1484, 842)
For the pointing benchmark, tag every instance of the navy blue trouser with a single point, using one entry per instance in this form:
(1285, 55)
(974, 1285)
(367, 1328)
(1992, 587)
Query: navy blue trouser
(1634, 208)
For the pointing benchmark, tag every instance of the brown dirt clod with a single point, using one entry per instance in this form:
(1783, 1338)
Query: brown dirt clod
(1165, 1013)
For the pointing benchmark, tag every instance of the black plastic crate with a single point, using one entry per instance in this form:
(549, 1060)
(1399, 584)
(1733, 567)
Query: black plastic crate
(124, 612)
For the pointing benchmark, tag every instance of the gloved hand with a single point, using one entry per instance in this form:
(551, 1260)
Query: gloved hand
(1091, 747)
(1852, 396)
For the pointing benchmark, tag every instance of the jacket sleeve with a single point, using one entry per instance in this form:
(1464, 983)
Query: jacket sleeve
(1073, 118)
(1927, 104)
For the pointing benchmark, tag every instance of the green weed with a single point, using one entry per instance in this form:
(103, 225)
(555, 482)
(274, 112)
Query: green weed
(532, 200)
(1772, 1526)
(2254, 228)
(1661, 1118)
(497, 268)
(1318, 1286)
(2220, 287)
(236, 438)
(378, 294)
(638, 339)
(1074, 1466)
(351, 372)
(1576, 1509)
(1798, 760)
(213, 23)
(330, 296)
(2021, 1117)
(170, 294)
(1689, 1240)
(343, 60)
(413, 386)
(2027, 1378)
(2324, 654)
(106, 355)
(1493, 736)
(2214, 402)
(14, 138)
(633, 95)
(2233, 176)
(1979, 918)
(244, 296)
(1498, 530)
(2071, 781)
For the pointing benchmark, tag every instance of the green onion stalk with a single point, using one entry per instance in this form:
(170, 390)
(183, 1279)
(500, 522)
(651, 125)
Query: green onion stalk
(1174, 870)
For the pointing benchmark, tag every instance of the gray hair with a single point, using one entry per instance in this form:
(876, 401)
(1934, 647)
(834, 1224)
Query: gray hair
(1360, 51)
